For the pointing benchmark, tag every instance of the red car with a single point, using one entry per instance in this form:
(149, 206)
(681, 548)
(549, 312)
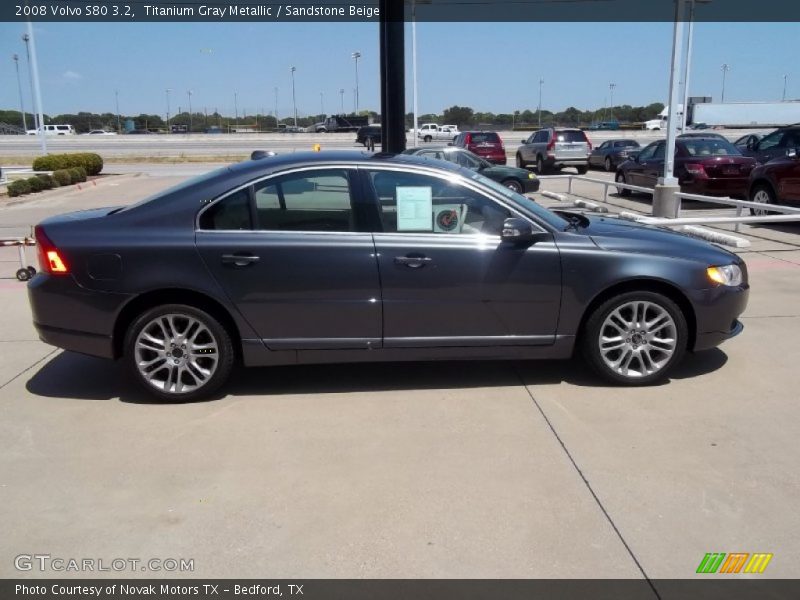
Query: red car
(486, 144)
(776, 182)
(708, 166)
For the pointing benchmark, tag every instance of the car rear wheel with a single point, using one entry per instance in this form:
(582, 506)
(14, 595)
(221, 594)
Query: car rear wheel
(635, 338)
(582, 170)
(620, 178)
(607, 164)
(521, 164)
(179, 353)
(763, 194)
(427, 138)
(540, 168)
(513, 185)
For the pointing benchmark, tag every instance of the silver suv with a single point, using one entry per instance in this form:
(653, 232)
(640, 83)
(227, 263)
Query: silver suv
(555, 149)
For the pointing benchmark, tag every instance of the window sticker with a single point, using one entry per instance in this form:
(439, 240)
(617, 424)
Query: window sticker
(449, 218)
(414, 208)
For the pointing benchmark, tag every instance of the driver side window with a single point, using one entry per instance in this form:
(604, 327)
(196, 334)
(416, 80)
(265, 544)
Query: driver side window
(770, 141)
(647, 153)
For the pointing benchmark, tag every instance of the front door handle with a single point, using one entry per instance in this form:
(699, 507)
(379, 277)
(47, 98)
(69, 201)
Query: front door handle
(240, 260)
(413, 262)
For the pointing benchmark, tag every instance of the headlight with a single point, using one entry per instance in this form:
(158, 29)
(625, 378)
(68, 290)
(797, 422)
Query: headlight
(531, 176)
(730, 275)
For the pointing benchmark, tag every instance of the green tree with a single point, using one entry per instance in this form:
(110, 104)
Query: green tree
(458, 115)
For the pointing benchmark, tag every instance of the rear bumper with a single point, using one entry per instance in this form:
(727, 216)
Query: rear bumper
(77, 341)
(734, 187)
(567, 162)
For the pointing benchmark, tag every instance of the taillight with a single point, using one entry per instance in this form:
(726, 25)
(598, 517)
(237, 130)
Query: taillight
(51, 259)
(588, 143)
(467, 139)
(552, 143)
(695, 169)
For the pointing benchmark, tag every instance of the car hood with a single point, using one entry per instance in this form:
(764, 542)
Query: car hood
(627, 236)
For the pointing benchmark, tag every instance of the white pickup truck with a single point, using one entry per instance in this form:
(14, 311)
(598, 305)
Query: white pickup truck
(429, 132)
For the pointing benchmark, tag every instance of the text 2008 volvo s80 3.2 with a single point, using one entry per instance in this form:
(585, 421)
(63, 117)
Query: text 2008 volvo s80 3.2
(346, 256)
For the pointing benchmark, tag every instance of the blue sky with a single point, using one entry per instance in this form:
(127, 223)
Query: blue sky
(488, 66)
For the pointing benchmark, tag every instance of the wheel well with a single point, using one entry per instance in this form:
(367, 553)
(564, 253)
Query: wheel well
(646, 285)
(761, 182)
(149, 300)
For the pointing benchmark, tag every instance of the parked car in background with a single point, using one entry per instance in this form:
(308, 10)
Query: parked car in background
(555, 148)
(54, 130)
(612, 153)
(429, 132)
(604, 126)
(746, 140)
(321, 257)
(139, 132)
(100, 132)
(776, 182)
(774, 145)
(486, 144)
(708, 166)
(370, 135)
(703, 134)
(521, 181)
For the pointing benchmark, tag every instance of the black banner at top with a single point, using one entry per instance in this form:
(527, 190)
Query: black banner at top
(142, 11)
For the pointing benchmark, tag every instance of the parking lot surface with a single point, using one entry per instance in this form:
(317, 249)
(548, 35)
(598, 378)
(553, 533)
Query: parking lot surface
(473, 469)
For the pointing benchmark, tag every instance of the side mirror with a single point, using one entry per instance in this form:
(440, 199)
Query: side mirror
(524, 142)
(516, 231)
(792, 153)
(634, 156)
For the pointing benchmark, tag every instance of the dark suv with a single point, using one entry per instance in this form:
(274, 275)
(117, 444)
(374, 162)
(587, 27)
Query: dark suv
(554, 149)
(773, 145)
(369, 135)
(486, 144)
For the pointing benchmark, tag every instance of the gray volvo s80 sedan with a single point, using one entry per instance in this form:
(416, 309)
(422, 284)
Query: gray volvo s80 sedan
(348, 256)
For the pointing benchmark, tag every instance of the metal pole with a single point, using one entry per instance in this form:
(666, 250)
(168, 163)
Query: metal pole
(677, 38)
(393, 93)
(322, 104)
(341, 93)
(356, 56)
(276, 108)
(414, 69)
(22, 104)
(189, 93)
(785, 77)
(541, 82)
(236, 107)
(116, 98)
(611, 87)
(37, 88)
(725, 68)
(687, 68)
(168, 91)
(294, 100)
(26, 38)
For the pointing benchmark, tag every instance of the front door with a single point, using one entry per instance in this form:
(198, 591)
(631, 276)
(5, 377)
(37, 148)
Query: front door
(294, 256)
(447, 279)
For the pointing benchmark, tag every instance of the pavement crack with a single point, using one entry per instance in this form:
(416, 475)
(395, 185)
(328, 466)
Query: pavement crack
(588, 485)
(28, 368)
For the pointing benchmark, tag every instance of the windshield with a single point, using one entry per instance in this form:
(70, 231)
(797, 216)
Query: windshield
(177, 188)
(527, 204)
(627, 144)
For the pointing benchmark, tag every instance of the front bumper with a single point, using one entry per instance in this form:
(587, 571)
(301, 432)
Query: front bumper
(717, 314)
(531, 185)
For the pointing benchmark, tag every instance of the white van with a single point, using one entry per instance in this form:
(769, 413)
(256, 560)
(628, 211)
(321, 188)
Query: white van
(55, 130)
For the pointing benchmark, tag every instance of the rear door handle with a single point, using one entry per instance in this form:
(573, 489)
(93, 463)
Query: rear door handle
(413, 262)
(240, 260)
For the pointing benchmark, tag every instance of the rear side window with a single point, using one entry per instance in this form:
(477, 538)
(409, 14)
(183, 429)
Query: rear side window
(232, 213)
(484, 137)
(307, 201)
(570, 136)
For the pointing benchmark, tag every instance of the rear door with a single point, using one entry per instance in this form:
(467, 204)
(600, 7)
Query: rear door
(770, 146)
(447, 279)
(653, 167)
(294, 254)
(635, 169)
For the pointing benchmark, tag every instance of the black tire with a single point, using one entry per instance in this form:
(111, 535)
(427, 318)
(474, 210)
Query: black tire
(540, 166)
(32, 271)
(23, 274)
(607, 164)
(216, 332)
(427, 138)
(762, 192)
(590, 340)
(521, 164)
(620, 178)
(582, 170)
(513, 185)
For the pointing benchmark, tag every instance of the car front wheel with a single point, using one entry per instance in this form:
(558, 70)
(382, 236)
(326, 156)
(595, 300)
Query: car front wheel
(540, 168)
(607, 164)
(620, 178)
(635, 338)
(521, 164)
(513, 185)
(179, 353)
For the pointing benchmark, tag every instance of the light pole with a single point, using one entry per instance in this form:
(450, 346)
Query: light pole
(15, 57)
(189, 93)
(785, 78)
(356, 56)
(236, 107)
(612, 87)
(688, 63)
(37, 90)
(725, 68)
(322, 104)
(168, 90)
(276, 107)
(294, 98)
(26, 38)
(541, 83)
(341, 93)
(116, 98)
